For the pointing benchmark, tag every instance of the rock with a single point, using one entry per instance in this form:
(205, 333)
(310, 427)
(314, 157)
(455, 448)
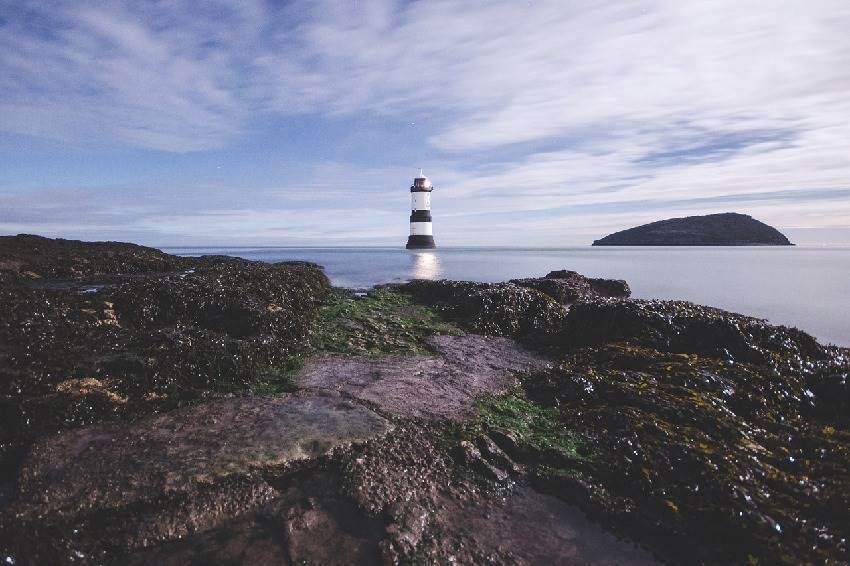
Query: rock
(34, 257)
(428, 387)
(525, 527)
(610, 287)
(178, 473)
(680, 326)
(399, 474)
(570, 286)
(727, 229)
(151, 343)
(471, 457)
(708, 436)
(501, 309)
(714, 461)
(508, 441)
(234, 297)
(311, 522)
(491, 452)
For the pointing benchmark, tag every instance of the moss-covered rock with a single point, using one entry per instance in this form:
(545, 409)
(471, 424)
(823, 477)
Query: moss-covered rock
(707, 460)
(146, 344)
(708, 436)
(501, 309)
(680, 326)
(382, 321)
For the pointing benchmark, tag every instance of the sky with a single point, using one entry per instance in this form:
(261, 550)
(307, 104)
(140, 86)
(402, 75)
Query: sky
(178, 123)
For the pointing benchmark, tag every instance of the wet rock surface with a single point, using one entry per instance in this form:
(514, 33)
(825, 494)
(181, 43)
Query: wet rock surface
(570, 287)
(34, 258)
(528, 527)
(311, 522)
(680, 326)
(368, 508)
(711, 436)
(706, 436)
(144, 345)
(181, 472)
(419, 386)
(502, 309)
(450, 511)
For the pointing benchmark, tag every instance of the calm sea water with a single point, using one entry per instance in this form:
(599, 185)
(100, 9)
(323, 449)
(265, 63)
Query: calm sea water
(807, 287)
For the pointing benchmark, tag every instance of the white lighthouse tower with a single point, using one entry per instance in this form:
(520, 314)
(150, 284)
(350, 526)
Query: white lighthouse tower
(421, 232)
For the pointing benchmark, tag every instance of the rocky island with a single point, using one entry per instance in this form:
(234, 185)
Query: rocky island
(727, 229)
(169, 410)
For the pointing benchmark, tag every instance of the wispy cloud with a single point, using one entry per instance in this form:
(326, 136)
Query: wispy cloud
(639, 109)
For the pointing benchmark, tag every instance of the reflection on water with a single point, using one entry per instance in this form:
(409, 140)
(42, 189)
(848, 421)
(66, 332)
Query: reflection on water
(424, 265)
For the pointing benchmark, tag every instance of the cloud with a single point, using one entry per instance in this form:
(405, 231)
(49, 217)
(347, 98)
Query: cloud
(643, 107)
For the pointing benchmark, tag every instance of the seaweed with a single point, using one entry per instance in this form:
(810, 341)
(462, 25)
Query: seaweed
(145, 345)
(703, 459)
(382, 321)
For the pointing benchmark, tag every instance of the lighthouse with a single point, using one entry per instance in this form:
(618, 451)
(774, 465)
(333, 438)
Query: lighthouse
(421, 233)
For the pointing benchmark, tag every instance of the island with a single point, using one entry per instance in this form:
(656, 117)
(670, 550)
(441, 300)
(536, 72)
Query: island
(725, 229)
(157, 409)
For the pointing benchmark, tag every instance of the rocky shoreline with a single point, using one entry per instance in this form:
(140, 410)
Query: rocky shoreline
(158, 409)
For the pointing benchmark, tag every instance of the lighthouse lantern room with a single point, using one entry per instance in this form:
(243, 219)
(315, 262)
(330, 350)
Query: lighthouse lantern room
(421, 232)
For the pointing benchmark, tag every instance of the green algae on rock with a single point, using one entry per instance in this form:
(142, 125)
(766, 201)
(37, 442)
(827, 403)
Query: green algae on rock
(144, 345)
(704, 459)
(705, 435)
(440, 385)
(382, 321)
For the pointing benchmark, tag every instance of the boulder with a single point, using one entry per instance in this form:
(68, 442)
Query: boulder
(680, 326)
(149, 343)
(427, 387)
(570, 287)
(116, 488)
(500, 309)
(707, 460)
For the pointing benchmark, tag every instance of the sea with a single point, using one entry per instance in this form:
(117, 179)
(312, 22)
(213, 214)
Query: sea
(803, 286)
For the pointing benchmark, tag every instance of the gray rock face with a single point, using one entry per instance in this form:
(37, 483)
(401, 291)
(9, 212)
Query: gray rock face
(727, 229)
(426, 386)
(532, 528)
(180, 472)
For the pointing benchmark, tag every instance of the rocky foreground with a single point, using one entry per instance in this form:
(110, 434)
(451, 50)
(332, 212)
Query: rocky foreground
(156, 409)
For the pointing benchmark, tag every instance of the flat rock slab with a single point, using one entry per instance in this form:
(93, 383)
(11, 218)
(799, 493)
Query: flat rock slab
(111, 466)
(440, 386)
(532, 528)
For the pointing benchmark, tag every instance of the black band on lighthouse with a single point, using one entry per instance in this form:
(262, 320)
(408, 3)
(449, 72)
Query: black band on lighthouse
(420, 243)
(420, 216)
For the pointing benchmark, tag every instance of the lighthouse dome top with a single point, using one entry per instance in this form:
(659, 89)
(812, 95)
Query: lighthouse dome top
(421, 181)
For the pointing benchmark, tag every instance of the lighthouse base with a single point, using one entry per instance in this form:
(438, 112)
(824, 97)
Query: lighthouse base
(421, 243)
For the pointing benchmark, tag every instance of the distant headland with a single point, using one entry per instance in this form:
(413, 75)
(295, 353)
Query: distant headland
(726, 229)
